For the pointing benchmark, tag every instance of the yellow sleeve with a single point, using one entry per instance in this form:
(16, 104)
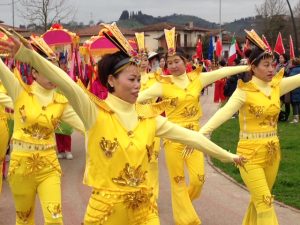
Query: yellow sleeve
(155, 91)
(169, 130)
(212, 76)
(80, 101)
(6, 101)
(9, 81)
(234, 103)
(70, 117)
(288, 84)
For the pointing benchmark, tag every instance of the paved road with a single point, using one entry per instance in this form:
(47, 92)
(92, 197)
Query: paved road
(222, 201)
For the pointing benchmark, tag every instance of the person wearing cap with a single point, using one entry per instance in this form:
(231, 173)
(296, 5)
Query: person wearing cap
(184, 90)
(258, 104)
(119, 134)
(34, 168)
(153, 58)
(5, 102)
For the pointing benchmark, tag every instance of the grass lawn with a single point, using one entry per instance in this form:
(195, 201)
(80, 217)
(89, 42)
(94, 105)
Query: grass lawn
(287, 186)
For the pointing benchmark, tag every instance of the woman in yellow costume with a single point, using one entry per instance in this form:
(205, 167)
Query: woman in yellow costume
(34, 167)
(147, 80)
(5, 101)
(258, 103)
(185, 90)
(119, 135)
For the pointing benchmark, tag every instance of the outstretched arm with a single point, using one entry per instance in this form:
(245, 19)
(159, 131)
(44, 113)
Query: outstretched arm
(212, 76)
(289, 83)
(155, 91)
(223, 114)
(194, 139)
(79, 100)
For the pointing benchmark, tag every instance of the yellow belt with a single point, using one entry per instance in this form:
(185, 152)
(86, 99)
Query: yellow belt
(25, 146)
(257, 135)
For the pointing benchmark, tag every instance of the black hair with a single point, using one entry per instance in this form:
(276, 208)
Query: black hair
(257, 54)
(222, 62)
(106, 67)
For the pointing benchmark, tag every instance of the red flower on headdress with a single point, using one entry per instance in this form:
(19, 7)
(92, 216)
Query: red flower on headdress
(56, 26)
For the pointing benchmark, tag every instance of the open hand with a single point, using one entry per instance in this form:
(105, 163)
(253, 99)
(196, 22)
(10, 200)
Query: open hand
(11, 46)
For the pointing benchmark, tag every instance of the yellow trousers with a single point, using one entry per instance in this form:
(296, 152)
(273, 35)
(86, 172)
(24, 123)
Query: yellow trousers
(4, 136)
(31, 173)
(115, 208)
(259, 176)
(183, 195)
(153, 168)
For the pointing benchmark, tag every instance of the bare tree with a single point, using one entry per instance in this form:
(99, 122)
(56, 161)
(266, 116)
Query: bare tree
(274, 19)
(45, 12)
(297, 10)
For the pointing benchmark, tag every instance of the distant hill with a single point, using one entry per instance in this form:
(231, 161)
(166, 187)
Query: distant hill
(136, 20)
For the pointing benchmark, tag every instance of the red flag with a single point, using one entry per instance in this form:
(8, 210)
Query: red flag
(199, 52)
(292, 53)
(219, 47)
(238, 50)
(279, 48)
(266, 42)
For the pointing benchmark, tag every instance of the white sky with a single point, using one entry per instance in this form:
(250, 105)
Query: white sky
(110, 10)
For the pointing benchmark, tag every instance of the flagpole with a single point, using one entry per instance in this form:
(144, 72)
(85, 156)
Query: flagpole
(294, 27)
(220, 19)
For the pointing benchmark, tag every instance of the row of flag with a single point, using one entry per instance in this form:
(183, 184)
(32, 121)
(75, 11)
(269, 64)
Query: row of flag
(234, 50)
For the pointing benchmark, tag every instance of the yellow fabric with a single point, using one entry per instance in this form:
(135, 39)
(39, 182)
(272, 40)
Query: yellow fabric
(183, 194)
(131, 137)
(32, 173)
(259, 106)
(244, 99)
(4, 137)
(5, 101)
(114, 207)
(147, 80)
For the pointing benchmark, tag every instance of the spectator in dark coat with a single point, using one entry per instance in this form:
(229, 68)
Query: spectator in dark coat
(295, 94)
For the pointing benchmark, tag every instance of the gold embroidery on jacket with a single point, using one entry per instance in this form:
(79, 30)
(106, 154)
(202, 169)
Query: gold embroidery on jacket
(23, 114)
(152, 154)
(130, 176)
(257, 111)
(109, 147)
(38, 132)
(270, 121)
(189, 112)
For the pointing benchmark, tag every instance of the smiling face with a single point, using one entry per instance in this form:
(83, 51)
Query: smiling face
(176, 65)
(127, 84)
(264, 70)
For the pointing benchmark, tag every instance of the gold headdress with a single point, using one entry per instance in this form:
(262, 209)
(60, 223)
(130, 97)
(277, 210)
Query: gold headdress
(256, 40)
(37, 42)
(171, 41)
(42, 47)
(112, 33)
(253, 37)
(140, 40)
(3, 37)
